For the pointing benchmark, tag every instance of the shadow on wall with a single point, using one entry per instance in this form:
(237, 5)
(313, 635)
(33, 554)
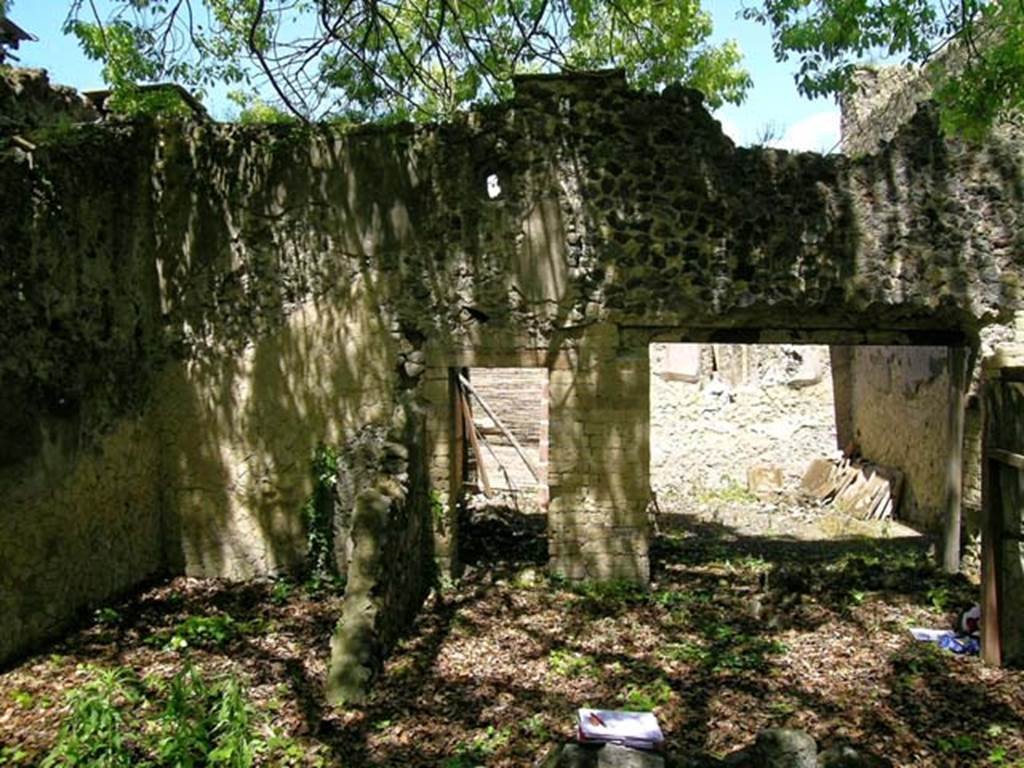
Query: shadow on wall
(287, 337)
(296, 270)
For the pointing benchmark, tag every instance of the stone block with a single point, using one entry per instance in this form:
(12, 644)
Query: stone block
(785, 748)
(618, 756)
(764, 480)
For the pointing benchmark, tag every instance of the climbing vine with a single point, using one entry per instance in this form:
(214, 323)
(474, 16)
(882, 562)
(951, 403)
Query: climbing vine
(319, 513)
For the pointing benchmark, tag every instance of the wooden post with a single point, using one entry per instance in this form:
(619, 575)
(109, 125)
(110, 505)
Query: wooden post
(991, 528)
(955, 460)
(481, 470)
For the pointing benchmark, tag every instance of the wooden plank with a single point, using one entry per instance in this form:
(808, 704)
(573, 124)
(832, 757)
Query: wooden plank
(505, 430)
(1011, 566)
(991, 525)
(957, 366)
(1015, 460)
(501, 466)
(481, 471)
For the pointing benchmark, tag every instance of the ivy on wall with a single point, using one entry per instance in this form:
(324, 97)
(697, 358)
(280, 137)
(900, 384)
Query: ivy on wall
(318, 512)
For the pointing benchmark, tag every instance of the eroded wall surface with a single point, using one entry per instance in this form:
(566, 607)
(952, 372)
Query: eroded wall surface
(247, 292)
(901, 403)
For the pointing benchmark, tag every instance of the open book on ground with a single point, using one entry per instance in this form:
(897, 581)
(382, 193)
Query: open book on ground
(633, 729)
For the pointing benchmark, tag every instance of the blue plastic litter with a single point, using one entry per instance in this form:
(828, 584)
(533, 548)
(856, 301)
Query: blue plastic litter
(965, 645)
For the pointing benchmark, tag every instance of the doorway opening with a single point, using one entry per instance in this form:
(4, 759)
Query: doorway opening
(502, 420)
(803, 442)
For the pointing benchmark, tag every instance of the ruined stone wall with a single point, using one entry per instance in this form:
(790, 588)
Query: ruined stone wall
(886, 100)
(763, 405)
(383, 489)
(247, 292)
(80, 511)
(901, 407)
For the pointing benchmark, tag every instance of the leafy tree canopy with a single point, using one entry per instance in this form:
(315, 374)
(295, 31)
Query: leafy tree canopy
(396, 59)
(974, 49)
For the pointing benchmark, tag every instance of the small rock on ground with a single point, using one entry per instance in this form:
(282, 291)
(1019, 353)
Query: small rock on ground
(604, 756)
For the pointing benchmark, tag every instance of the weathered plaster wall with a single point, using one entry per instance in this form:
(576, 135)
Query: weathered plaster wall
(250, 289)
(238, 433)
(78, 523)
(901, 407)
(886, 101)
(80, 511)
(763, 405)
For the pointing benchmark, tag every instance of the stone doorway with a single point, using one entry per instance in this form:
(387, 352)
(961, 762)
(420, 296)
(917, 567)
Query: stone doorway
(503, 422)
(735, 427)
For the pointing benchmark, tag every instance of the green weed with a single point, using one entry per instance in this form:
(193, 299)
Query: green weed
(647, 697)
(281, 592)
(214, 631)
(731, 492)
(939, 598)
(94, 733)
(536, 728)
(566, 663)
(23, 699)
(196, 723)
(689, 652)
(107, 617)
(479, 749)
(13, 756)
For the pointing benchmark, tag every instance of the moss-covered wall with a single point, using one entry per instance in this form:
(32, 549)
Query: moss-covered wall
(244, 293)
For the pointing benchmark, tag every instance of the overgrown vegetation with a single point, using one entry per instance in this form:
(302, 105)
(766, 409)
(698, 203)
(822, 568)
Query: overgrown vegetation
(732, 636)
(118, 720)
(397, 60)
(318, 512)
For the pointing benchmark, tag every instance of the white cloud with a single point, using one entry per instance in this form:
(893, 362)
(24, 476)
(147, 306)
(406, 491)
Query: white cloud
(816, 133)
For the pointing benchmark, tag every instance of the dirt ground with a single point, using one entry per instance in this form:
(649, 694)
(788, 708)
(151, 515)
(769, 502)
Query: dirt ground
(747, 624)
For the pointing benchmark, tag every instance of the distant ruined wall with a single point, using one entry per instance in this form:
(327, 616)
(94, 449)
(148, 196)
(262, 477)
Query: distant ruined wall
(189, 309)
(763, 405)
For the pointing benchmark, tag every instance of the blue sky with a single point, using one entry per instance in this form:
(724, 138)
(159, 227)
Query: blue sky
(773, 101)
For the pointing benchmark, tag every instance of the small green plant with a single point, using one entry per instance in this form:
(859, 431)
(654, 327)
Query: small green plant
(318, 512)
(13, 756)
(939, 598)
(647, 697)
(199, 631)
(437, 509)
(919, 659)
(281, 592)
(566, 663)
(198, 723)
(961, 744)
(107, 617)
(23, 699)
(730, 492)
(605, 597)
(536, 728)
(479, 749)
(94, 733)
(689, 652)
